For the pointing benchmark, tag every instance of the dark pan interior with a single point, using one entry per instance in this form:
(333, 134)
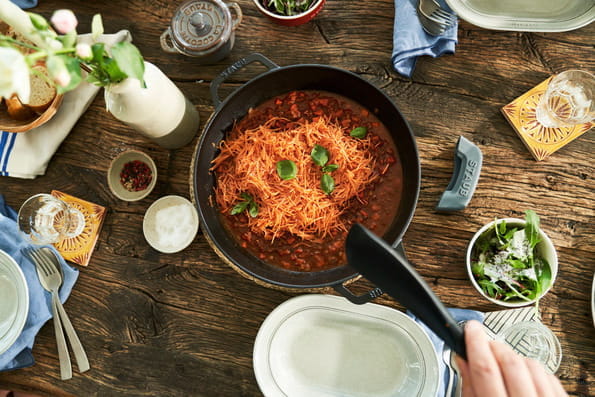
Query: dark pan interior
(276, 82)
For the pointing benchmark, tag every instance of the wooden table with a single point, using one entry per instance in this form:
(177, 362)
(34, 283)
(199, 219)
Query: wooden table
(184, 324)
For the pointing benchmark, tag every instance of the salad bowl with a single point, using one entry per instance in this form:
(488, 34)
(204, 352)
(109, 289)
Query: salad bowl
(512, 262)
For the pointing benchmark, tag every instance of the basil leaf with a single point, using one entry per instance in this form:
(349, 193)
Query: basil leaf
(532, 228)
(327, 183)
(286, 169)
(319, 155)
(330, 168)
(246, 196)
(239, 208)
(359, 132)
(253, 209)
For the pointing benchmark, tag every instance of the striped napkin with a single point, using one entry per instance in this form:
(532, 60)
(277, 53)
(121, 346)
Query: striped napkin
(27, 155)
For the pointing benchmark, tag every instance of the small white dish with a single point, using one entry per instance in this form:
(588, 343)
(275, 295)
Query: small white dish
(170, 224)
(545, 247)
(114, 175)
(14, 301)
(323, 345)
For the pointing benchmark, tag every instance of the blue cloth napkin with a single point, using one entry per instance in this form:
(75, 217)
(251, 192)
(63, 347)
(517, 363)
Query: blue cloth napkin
(411, 41)
(459, 315)
(12, 241)
(25, 3)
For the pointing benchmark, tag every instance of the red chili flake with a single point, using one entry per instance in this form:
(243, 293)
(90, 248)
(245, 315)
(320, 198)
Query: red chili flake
(136, 176)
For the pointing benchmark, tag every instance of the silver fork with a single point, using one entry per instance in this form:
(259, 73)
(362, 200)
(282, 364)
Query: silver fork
(446, 357)
(434, 19)
(51, 279)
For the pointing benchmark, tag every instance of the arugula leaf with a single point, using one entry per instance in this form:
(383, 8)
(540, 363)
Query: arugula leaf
(516, 263)
(500, 229)
(532, 228)
(490, 288)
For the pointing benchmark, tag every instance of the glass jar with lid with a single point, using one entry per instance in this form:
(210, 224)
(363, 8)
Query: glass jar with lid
(203, 29)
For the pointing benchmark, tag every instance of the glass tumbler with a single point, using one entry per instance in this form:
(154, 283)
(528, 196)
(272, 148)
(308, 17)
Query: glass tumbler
(534, 340)
(568, 100)
(45, 219)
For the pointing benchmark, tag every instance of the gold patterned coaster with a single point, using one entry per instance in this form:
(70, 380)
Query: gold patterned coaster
(541, 141)
(79, 249)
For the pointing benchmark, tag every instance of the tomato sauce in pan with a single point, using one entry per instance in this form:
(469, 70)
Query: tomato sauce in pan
(376, 208)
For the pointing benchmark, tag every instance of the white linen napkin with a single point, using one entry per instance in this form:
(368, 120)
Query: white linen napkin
(27, 154)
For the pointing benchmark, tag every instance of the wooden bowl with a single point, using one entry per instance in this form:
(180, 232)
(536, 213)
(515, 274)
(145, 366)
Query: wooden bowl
(11, 125)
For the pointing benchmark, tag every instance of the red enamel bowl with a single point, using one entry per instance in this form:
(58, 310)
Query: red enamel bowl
(293, 20)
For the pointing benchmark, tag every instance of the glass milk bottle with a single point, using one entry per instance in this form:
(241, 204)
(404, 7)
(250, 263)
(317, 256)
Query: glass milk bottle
(160, 111)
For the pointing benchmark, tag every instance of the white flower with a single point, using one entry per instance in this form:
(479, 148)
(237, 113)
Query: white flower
(14, 74)
(83, 51)
(56, 45)
(64, 21)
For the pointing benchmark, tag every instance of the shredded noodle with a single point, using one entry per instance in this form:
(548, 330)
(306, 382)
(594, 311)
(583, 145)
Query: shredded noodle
(247, 164)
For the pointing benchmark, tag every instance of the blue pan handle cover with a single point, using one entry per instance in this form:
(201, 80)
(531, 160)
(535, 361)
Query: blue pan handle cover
(468, 160)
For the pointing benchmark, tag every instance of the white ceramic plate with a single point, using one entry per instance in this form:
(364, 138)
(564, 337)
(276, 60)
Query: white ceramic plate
(593, 300)
(323, 345)
(14, 301)
(526, 15)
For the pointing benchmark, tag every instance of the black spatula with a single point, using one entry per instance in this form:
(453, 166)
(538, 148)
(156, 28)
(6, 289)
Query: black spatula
(381, 264)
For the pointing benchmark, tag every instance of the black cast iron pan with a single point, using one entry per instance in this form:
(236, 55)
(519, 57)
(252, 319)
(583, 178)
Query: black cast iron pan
(276, 81)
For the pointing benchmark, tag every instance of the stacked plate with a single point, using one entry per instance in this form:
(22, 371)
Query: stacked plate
(14, 301)
(323, 345)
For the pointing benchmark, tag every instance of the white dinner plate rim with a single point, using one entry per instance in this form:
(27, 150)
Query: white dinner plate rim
(10, 337)
(593, 300)
(297, 304)
(513, 22)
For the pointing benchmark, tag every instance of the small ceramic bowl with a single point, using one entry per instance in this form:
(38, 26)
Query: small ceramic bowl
(114, 175)
(293, 20)
(545, 248)
(170, 224)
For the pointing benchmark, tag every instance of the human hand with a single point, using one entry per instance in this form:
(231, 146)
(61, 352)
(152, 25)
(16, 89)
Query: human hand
(493, 369)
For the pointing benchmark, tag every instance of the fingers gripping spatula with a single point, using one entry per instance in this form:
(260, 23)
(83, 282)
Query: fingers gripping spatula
(381, 264)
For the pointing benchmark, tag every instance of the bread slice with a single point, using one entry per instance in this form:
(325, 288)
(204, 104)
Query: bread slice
(42, 92)
(17, 110)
